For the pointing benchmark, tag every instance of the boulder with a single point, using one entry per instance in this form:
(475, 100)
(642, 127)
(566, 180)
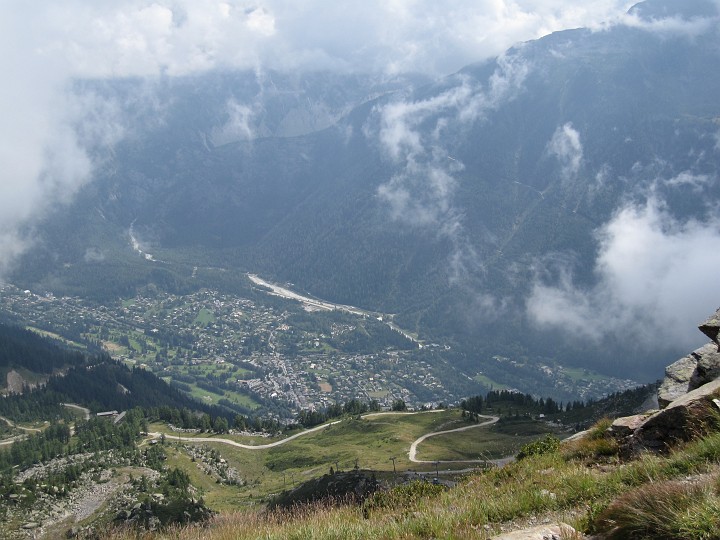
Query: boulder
(708, 366)
(626, 426)
(690, 372)
(679, 421)
(711, 327)
(677, 380)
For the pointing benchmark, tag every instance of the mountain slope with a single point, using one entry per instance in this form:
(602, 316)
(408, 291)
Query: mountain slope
(451, 204)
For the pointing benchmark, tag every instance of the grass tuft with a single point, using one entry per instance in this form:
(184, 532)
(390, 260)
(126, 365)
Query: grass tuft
(669, 510)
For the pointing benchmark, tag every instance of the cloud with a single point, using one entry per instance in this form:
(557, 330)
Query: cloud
(687, 178)
(412, 133)
(653, 274)
(141, 38)
(565, 145)
(53, 131)
(237, 127)
(691, 23)
(42, 160)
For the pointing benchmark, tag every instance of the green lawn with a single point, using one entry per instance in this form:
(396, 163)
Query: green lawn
(204, 317)
(487, 381)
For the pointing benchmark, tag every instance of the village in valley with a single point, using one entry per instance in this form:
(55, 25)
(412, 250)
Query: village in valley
(239, 353)
(262, 354)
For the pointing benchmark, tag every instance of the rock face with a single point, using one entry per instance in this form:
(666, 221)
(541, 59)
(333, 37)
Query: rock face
(711, 327)
(626, 426)
(690, 372)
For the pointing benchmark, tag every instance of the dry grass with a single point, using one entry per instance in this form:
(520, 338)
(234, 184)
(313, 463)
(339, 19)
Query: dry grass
(672, 510)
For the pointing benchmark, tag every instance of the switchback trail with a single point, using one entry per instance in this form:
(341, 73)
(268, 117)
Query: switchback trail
(13, 424)
(413, 447)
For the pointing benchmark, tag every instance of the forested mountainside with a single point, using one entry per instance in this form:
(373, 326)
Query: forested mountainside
(58, 375)
(490, 209)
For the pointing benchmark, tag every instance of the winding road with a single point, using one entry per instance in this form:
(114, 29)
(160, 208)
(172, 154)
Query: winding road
(245, 446)
(412, 454)
(11, 440)
(12, 424)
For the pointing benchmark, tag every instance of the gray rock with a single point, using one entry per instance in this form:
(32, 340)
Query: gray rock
(677, 380)
(677, 422)
(626, 426)
(711, 327)
(31, 525)
(690, 372)
(708, 366)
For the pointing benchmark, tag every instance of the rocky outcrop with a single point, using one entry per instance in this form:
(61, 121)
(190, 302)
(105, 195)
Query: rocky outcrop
(686, 397)
(711, 327)
(679, 421)
(690, 372)
(696, 369)
(624, 427)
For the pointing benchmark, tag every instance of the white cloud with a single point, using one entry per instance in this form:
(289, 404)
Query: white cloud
(654, 274)
(565, 145)
(46, 44)
(412, 134)
(687, 178)
(238, 126)
(144, 37)
(672, 26)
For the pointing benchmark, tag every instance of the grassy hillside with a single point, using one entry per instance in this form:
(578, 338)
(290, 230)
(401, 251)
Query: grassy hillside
(368, 442)
(582, 483)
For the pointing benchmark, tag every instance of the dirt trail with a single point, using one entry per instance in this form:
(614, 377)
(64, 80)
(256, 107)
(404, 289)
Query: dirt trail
(412, 454)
